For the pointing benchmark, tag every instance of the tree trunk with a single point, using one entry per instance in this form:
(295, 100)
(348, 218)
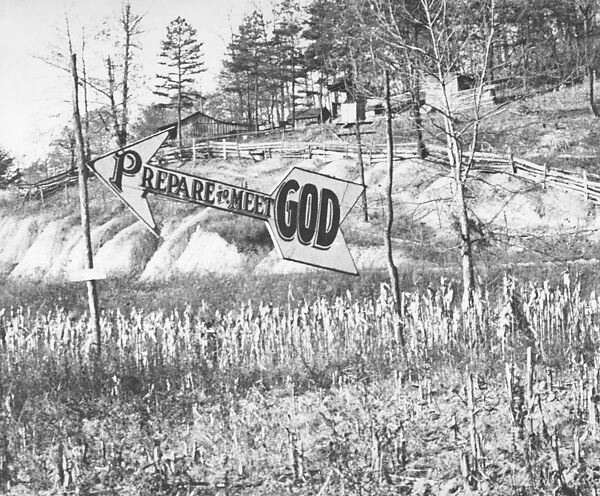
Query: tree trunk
(249, 101)
(416, 99)
(466, 248)
(179, 137)
(591, 97)
(113, 104)
(256, 124)
(293, 102)
(127, 26)
(418, 121)
(462, 215)
(361, 166)
(85, 214)
(86, 121)
(392, 269)
(282, 90)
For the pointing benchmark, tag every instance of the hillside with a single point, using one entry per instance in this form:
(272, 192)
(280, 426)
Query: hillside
(516, 219)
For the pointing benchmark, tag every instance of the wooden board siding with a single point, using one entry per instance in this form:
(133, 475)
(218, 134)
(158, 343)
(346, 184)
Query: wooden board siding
(202, 126)
(459, 97)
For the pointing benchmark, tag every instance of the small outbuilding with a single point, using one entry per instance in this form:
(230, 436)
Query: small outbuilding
(200, 125)
(315, 115)
(460, 90)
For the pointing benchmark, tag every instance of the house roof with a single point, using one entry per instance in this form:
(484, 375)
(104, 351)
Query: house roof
(193, 116)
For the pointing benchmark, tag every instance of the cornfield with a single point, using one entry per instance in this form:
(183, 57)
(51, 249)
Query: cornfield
(430, 328)
(333, 396)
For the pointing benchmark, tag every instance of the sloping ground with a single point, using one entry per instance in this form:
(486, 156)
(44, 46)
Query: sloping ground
(194, 240)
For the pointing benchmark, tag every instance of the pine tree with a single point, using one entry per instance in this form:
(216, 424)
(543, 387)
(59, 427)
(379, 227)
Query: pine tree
(181, 55)
(6, 162)
(249, 67)
(285, 44)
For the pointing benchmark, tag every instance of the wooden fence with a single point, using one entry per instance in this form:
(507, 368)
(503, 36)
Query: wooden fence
(580, 182)
(47, 186)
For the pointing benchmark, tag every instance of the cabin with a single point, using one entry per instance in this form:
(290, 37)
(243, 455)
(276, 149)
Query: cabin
(201, 126)
(310, 116)
(460, 89)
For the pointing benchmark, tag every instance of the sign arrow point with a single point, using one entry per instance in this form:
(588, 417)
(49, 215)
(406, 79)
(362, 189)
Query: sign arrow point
(118, 170)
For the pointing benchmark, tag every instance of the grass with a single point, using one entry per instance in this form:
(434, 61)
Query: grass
(217, 291)
(307, 396)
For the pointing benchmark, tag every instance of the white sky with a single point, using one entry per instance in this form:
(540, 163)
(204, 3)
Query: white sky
(35, 97)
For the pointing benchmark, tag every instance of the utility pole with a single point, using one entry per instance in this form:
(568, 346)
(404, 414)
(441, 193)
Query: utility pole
(85, 213)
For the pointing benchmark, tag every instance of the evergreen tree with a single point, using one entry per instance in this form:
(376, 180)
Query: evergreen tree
(249, 67)
(285, 44)
(181, 55)
(327, 43)
(6, 162)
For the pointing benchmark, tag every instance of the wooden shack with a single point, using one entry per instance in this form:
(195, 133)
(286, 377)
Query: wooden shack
(315, 115)
(201, 126)
(461, 91)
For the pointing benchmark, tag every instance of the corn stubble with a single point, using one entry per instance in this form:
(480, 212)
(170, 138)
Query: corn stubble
(313, 398)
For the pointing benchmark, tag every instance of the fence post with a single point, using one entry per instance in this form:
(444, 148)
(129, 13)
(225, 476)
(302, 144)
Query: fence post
(237, 144)
(511, 161)
(545, 173)
(585, 186)
(194, 150)
(41, 194)
(224, 148)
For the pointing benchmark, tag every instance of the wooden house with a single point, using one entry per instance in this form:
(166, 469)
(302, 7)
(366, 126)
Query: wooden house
(201, 126)
(307, 117)
(460, 89)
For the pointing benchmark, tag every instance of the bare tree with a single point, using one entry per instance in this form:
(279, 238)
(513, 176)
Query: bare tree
(399, 28)
(392, 269)
(444, 49)
(437, 53)
(129, 28)
(587, 11)
(115, 86)
(83, 199)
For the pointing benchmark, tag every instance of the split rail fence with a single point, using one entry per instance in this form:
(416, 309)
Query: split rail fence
(580, 182)
(47, 186)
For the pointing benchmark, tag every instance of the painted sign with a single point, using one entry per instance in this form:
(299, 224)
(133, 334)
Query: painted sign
(82, 275)
(303, 214)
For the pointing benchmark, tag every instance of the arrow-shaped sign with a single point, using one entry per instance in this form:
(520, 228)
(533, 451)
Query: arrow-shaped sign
(303, 214)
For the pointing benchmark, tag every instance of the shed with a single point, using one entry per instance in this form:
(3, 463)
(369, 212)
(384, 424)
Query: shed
(315, 115)
(460, 90)
(200, 125)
